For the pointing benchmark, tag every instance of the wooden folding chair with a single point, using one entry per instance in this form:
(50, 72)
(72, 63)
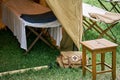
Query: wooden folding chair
(38, 32)
(92, 23)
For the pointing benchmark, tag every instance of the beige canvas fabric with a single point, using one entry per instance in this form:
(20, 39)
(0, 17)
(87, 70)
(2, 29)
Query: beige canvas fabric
(70, 59)
(69, 13)
(113, 16)
(66, 43)
(108, 17)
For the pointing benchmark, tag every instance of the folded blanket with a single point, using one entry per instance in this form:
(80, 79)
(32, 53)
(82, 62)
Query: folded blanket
(114, 16)
(39, 18)
(108, 17)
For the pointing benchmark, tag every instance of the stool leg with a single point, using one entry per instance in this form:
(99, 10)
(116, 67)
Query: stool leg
(93, 66)
(83, 60)
(114, 64)
(102, 61)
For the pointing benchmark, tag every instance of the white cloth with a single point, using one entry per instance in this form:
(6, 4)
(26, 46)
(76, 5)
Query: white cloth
(91, 9)
(17, 25)
(99, 14)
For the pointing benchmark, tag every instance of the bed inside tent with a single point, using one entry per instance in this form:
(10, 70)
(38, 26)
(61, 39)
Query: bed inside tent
(70, 16)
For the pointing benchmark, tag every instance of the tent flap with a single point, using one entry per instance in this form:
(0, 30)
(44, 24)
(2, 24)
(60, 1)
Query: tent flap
(69, 13)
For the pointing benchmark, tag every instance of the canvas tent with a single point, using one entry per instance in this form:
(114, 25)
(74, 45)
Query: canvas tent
(69, 13)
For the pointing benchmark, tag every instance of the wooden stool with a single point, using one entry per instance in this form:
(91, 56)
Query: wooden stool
(99, 46)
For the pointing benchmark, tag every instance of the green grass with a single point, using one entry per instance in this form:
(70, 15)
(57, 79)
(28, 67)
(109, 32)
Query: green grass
(46, 74)
(12, 58)
(11, 55)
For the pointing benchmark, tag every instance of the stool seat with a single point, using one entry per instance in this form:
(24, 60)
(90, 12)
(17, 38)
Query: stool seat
(99, 46)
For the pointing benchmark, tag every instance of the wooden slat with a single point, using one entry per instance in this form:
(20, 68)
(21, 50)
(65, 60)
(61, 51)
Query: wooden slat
(22, 70)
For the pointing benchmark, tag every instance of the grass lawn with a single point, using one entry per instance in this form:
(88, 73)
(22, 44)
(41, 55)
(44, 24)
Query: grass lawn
(11, 55)
(12, 58)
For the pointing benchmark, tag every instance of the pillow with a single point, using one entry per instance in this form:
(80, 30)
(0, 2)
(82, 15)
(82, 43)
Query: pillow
(39, 18)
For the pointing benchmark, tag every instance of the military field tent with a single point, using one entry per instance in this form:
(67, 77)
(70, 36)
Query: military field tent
(69, 13)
